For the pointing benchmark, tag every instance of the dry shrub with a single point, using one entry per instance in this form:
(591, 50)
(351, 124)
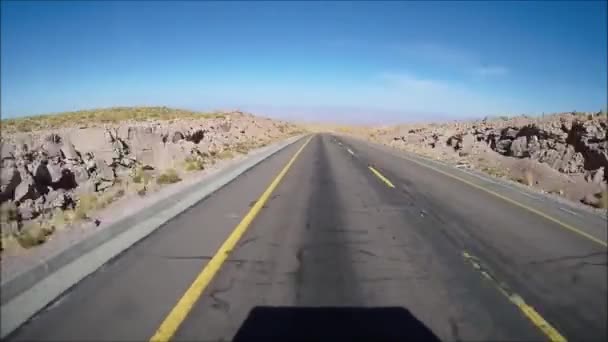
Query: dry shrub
(168, 177)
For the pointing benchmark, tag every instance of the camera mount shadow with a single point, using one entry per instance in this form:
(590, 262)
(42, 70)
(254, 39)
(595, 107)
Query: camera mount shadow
(266, 323)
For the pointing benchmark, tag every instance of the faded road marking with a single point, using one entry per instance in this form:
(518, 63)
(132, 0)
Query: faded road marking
(514, 298)
(350, 151)
(179, 313)
(568, 211)
(504, 198)
(530, 196)
(379, 175)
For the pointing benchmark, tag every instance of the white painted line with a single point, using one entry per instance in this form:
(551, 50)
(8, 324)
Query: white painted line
(568, 211)
(350, 151)
(528, 195)
(18, 309)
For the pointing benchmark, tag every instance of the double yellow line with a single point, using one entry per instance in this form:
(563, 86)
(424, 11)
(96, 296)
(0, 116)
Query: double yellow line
(183, 307)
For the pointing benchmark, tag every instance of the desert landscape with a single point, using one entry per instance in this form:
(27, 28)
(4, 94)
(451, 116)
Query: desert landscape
(59, 170)
(565, 154)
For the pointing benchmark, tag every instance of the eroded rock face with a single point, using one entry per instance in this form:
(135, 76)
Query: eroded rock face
(573, 145)
(568, 143)
(46, 170)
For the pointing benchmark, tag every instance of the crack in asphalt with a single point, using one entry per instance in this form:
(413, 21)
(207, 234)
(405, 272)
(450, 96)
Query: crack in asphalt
(248, 240)
(454, 329)
(571, 257)
(187, 257)
(219, 303)
(298, 273)
(363, 251)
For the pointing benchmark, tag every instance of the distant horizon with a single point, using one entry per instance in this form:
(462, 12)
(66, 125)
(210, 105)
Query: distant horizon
(359, 61)
(311, 119)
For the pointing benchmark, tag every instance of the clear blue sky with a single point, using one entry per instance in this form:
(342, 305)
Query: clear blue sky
(392, 61)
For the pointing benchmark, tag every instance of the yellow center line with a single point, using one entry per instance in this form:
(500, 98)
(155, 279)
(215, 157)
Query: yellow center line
(518, 301)
(379, 175)
(178, 314)
(535, 211)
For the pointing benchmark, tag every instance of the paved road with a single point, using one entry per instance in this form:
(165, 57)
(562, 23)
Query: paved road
(425, 250)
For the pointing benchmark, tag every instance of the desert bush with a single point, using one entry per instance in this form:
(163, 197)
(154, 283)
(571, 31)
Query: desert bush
(493, 171)
(168, 177)
(108, 197)
(225, 154)
(193, 164)
(59, 218)
(33, 234)
(242, 147)
(140, 176)
(8, 212)
(86, 204)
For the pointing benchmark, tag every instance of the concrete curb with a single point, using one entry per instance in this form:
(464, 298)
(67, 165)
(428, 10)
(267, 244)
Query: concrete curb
(31, 291)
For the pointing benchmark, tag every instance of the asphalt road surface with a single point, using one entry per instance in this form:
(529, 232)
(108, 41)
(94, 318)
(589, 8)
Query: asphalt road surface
(424, 252)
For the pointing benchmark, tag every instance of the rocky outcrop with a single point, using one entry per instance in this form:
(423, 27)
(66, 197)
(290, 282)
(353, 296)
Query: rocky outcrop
(572, 144)
(568, 143)
(48, 170)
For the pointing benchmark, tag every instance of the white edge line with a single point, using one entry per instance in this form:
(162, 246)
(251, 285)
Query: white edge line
(568, 211)
(27, 304)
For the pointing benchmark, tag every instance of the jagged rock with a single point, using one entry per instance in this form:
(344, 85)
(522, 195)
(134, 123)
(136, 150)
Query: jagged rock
(103, 184)
(90, 163)
(225, 126)
(196, 136)
(466, 143)
(69, 151)
(9, 180)
(590, 199)
(595, 176)
(177, 136)
(519, 147)
(104, 171)
(53, 138)
(7, 151)
(509, 133)
(43, 171)
(551, 157)
(79, 171)
(42, 176)
(52, 149)
(142, 137)
(26, 189)
(87, 187)
(9, 175)
(67, 180)
(53, 198)
(534, 147)
(26, 209)
(127, 162)
(503, 146)
(109, 136)
(120, 147)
